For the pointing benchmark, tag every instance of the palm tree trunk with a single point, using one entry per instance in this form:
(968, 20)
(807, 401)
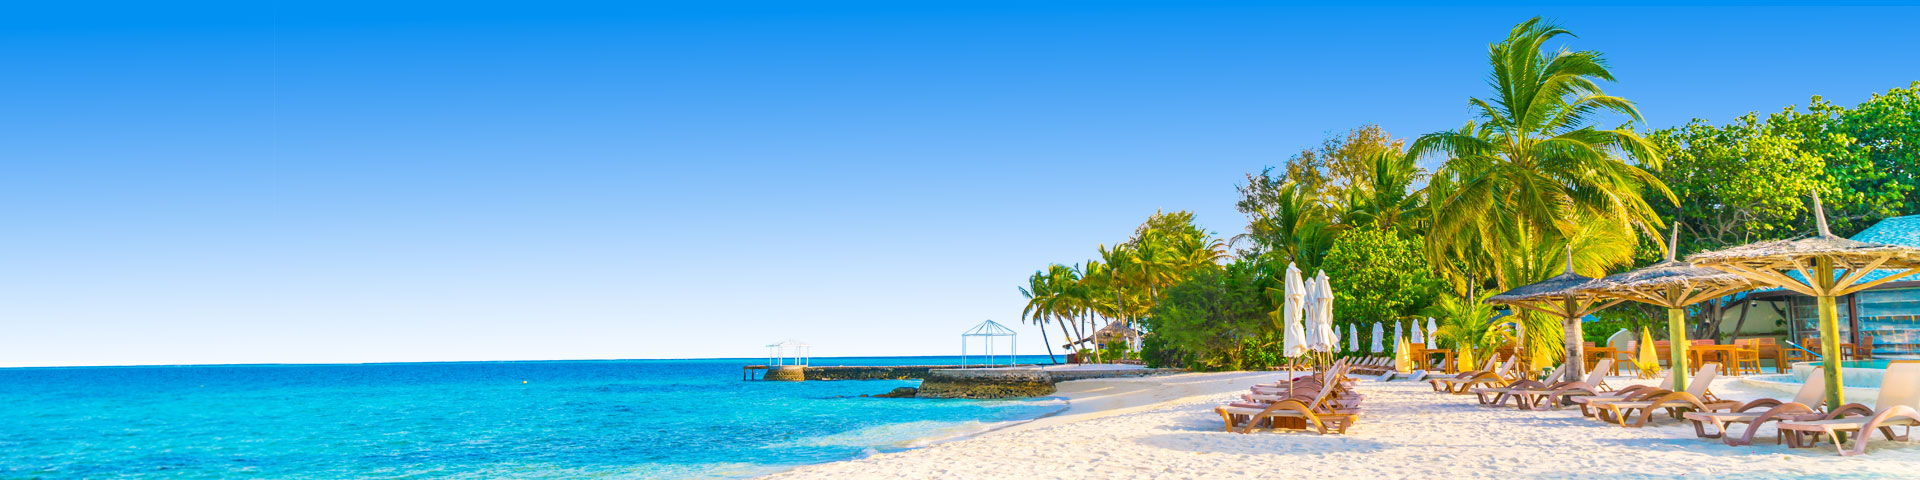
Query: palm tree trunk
(1049, 343)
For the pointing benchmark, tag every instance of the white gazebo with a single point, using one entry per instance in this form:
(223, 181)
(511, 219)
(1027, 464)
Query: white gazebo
(789, 352)
(986, 331)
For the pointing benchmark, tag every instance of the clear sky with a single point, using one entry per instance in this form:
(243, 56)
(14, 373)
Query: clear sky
(338, 182)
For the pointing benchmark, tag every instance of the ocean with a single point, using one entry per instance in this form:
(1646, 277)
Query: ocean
(665, 419)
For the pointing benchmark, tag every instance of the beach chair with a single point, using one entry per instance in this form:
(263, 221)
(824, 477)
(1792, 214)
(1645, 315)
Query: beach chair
(1895, 407)
(1318, 411)
(1698, 397)
(1589, 401)
(1459, 386)
(1808, 400)
(1441, 384)
(1594, 384)
(1498, 395)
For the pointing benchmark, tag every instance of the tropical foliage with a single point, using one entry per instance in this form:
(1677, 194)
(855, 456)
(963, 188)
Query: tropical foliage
(1551, 173)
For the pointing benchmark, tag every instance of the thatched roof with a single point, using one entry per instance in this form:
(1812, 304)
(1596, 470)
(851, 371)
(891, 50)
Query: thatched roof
(1558, 287)
(1654, 283)
(1781, 254)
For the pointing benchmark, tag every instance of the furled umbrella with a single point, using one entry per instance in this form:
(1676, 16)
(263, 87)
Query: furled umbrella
(1675, 285)
(1322, 324)
(1293, 336)
(1827, 266)
(1417, 337)
(1311, 339)
(1377, 333)
(1561, 296)
(1398, 334)
(1353, 337)
(1431, 329)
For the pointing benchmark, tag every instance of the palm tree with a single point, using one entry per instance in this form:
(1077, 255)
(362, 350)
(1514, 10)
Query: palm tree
(1048, 299)
(1533, 169)
(1467, 323)
(1382, 197)
(1532, 173)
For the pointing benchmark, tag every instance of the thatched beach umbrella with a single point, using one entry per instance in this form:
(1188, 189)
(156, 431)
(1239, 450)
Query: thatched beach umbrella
(1560, 296)
(1828, 267)
(1675, 285)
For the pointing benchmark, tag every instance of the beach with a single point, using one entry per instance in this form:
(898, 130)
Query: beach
(1164, 427)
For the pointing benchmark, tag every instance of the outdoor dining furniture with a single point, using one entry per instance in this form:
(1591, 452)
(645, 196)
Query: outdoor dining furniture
(1594, 354)
(1722, 354)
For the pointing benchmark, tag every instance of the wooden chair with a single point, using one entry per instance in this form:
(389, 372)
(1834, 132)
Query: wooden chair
(1864, 349)
(1746, 361)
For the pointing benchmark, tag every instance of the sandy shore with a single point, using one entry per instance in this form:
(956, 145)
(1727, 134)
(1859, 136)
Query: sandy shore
(1164, 427)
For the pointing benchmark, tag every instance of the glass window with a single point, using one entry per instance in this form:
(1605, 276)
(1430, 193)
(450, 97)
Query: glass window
(1892, 317)
(1806, 320)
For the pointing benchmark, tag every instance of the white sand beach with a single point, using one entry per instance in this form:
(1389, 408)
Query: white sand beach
(1164, 427)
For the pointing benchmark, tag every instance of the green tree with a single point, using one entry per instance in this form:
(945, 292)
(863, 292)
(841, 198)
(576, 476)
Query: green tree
(1532, 172)
(1215, 320)
(1378, 276)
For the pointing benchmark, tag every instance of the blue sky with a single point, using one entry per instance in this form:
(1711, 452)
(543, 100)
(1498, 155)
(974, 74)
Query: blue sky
(341, 182)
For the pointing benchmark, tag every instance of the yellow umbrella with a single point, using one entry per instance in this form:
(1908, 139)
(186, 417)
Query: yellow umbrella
(1648, 363)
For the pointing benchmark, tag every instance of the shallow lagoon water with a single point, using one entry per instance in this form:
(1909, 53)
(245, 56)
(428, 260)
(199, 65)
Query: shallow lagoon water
(569, 419)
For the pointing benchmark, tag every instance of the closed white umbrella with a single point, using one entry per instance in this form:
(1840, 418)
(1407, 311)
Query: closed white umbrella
(1377, 333)
(1417, 337)
(1310, 321)
(1292, 334)
(1353, 337)
(1398, 334)
(1430, 327)
(1324, 319)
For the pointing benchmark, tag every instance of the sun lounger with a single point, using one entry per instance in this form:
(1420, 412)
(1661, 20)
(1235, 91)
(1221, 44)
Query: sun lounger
(1460, 385)
(1588, 401)
(1698, 397)
(1499, 395)
(1319, 412)
(1531, 398)
(1808, 400)
(1444, 384)
(1899, 396)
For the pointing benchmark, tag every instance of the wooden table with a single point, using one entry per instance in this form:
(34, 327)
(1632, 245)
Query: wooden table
(1594, 354)
(1724, 353)
(1424, 357)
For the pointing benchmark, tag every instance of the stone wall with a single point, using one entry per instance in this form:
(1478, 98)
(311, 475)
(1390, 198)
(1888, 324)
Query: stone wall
(908, 372)
(986, 383)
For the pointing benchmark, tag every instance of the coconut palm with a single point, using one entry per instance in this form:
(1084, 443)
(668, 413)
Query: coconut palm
(1382, 197)
(1049, 298)
(1532, 168)
(1532, 175)
(1467, 323)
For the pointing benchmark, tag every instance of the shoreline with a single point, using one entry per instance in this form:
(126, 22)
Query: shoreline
(1164, 427)
(1084, 399)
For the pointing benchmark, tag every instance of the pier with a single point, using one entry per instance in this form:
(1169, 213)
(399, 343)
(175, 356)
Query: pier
(955, 381)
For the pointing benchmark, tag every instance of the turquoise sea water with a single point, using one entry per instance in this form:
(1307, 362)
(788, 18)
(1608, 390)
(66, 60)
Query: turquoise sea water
(570, 419)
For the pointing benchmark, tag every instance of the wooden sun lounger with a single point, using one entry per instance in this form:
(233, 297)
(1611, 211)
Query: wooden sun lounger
(1316, 412)
(1899, 394)
(1698, 398)
(1808, 400)
(1445, 384)
(1500, 394)
(1587, 401)
(1459, 386)
(1594, 384)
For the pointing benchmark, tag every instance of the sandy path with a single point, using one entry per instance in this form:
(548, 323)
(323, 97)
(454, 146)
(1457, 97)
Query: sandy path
(1164, 427)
